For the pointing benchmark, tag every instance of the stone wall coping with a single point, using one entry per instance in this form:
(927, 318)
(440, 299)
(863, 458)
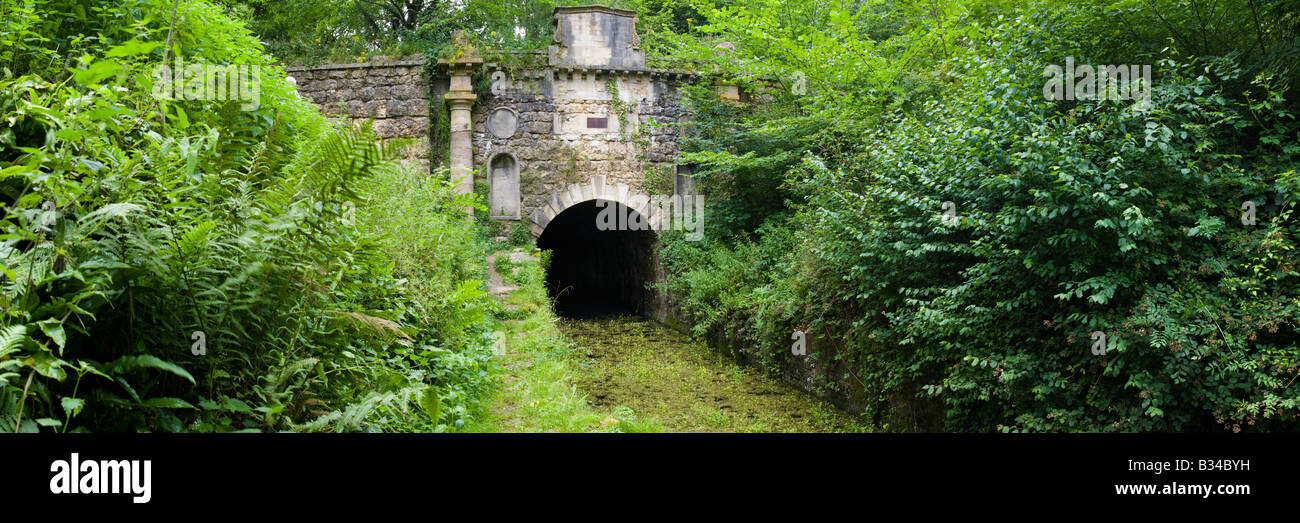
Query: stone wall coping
(597, 69)
(362, 65)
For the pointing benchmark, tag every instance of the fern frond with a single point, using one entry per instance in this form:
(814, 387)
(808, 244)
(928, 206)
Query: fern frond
(353, 417)
(90, 223)
(11, 339)
(385, 328)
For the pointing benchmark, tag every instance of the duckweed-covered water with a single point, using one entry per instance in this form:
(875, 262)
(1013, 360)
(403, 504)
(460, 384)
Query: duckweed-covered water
(660, 374)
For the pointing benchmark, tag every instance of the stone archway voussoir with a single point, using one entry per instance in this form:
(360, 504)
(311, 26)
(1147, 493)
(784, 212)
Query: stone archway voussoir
(596, 188)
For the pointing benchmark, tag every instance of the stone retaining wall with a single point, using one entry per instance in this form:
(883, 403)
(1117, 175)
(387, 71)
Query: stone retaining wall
(394, 94)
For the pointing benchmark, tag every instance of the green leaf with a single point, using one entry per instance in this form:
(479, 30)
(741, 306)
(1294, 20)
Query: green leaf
(129, 389)
(84, 367)
(146, 360)
(99, 263)
(431, 403)
(48, 422)
(235, 405)
(72, 406)
(131, 48)
(96, 72)
(115, 210)
(54, 329)
(9, 273)
(47, 365)
(167, 403)
(12, 338)
(71, 135)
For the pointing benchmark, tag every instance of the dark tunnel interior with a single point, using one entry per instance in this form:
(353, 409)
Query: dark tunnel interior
(592, 272)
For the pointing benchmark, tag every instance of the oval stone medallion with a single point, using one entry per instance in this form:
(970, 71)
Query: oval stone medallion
(502, 122)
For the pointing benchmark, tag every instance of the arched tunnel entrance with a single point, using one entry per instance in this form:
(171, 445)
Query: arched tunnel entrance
(593, 272)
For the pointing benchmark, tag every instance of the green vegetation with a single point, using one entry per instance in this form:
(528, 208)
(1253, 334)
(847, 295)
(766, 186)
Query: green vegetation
(537, 393)
(1071, 217)
(223, 269)
(322, 31)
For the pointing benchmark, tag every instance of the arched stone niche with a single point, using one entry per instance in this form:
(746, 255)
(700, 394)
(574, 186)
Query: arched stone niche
(503, 186)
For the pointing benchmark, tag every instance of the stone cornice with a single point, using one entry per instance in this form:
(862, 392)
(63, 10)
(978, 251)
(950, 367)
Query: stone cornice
(555, 16)
(493, 66)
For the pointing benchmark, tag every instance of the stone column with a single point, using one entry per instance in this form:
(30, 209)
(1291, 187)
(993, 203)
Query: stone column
(460, 100)
(462, 147)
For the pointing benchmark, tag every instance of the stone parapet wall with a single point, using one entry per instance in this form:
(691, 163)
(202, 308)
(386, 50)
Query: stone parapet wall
(394, 94)
(552, 143)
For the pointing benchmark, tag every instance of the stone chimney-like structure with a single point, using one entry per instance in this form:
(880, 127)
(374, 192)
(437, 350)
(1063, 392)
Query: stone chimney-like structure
(598, 36)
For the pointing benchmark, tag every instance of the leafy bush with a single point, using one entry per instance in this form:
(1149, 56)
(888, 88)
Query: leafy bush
(1071, 218)
(1073, 221)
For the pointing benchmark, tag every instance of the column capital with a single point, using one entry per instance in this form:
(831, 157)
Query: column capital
(464, 66)
(460, 99)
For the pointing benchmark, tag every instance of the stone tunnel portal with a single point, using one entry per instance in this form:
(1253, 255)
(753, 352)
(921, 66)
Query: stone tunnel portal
(593, 272)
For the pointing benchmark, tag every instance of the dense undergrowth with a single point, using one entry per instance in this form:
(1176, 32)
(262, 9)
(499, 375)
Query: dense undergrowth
(1070, 217)
(191, 266)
